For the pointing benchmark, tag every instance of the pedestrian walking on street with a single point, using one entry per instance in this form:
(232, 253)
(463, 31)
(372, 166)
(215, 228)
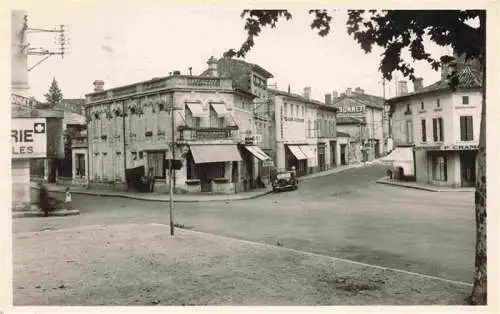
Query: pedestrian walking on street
(43, 198)
(67, 199)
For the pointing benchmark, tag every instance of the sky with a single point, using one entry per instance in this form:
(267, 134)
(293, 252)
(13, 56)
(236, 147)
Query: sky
(133, 42)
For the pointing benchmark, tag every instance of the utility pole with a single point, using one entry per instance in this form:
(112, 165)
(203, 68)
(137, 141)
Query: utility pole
(124, 144)
(61, 40)
(171, 171)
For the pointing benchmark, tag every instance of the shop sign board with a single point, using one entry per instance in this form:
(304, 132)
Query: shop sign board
(29, 138)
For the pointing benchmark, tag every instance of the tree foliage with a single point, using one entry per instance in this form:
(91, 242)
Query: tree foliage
(394, 31)
(54, 96)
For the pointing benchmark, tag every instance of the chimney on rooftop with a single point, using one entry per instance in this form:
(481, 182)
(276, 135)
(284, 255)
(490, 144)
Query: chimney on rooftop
(348, 92)
(328, 99)
(402, 88)
(335, 94)
(359, 90)
(307, 92)
(445, 70)
(212, 66)
(418, 84)
(98, 86)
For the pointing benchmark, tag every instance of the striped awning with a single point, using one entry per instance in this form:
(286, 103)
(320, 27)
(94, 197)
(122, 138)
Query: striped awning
(257, 152)
(220, 109)
(297, 152)
(214, 153)
(308, 151)
(197, 109)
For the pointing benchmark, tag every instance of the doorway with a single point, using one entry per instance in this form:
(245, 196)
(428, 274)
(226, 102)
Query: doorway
(377, 148)
(343, 154)
(468, 168)
(333, 153)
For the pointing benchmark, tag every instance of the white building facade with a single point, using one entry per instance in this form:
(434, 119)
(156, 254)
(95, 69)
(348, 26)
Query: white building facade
(442, 128)
(305, 133)
(208, 126)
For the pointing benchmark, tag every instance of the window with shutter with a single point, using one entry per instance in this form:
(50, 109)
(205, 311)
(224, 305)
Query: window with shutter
(424, 131)
(434, 130)
(441, 131)
(470, 130)
(466, 128)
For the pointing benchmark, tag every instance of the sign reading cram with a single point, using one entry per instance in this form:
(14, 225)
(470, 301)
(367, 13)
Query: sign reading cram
(29, 138)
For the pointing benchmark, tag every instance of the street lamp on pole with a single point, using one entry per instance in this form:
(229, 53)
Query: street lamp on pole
(172, 169)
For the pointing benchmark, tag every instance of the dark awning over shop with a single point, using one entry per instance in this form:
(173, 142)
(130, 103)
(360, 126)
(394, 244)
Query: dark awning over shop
(214, 153)
(257, 152)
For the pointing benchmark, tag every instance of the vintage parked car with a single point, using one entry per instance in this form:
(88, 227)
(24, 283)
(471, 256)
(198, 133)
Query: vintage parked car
(284, 180)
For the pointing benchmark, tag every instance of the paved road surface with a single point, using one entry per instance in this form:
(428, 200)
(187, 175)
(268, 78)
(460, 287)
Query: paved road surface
(344, 215)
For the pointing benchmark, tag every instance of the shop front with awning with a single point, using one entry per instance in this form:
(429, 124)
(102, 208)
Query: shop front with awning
(258, 165)
(297, 157)
(401, 160)
(212, 168)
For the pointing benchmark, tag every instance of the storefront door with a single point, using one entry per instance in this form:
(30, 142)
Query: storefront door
(343, 154)
(468, 168)
(205, 181)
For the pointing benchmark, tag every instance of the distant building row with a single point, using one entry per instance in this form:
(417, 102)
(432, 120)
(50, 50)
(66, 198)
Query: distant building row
(229, 128)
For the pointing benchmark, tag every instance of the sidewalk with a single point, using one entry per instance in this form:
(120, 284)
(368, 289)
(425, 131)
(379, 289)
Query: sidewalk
(189, 198)
(156, 197)
(422, 186)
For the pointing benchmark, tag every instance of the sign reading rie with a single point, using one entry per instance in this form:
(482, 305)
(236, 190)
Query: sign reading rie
(29, 138)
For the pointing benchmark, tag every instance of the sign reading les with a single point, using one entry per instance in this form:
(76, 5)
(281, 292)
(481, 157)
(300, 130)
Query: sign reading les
(29, 138)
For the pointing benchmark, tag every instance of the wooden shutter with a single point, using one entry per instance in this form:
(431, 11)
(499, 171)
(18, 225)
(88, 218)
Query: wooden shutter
(434, 130)
(424, 131)
(441, 133)
(469, 127)
(463, 128)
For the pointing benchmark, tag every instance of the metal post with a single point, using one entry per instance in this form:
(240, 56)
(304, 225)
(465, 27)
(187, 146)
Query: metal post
(171, 174)
(124, 146)
(87, 165)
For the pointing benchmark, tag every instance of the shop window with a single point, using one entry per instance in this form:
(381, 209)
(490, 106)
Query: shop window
(156, 162)
(215, 170)
(465, 100)
(191, 172)
(439, 171)
(466, 125)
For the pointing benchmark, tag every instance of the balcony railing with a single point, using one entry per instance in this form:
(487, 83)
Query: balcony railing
(79, 142)
(174, 81)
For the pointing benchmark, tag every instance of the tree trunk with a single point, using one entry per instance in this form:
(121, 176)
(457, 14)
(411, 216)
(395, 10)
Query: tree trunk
(479, 290)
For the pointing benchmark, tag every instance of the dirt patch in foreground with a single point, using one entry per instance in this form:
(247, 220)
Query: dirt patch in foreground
(143, 265)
